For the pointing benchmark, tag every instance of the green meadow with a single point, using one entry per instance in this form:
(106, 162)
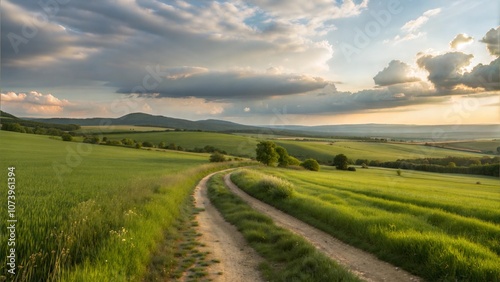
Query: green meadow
(233, 144)
(91, 212)
(323, 151)
(326, 151)
(438, 226)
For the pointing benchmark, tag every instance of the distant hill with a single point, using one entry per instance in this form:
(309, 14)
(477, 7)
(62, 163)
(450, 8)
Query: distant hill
(392, 131)
(141, 119)
(9, 118)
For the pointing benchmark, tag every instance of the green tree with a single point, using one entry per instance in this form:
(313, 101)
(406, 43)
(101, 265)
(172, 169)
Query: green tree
(67, 137)
(147, 144)
(498, 150)
(452, 165)
(217, 157)
(310, 164)
(283, 157)
(266, 153)
(340, 162)
(162, 145)
(172, 146)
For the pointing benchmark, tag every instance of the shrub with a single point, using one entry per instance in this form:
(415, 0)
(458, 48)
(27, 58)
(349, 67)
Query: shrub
(293, 161)
(351, 168)
(91, 140)
(67, 137)
(399, 172)
(217, 157)
(310, 164)
(147, 144)
(363, 165)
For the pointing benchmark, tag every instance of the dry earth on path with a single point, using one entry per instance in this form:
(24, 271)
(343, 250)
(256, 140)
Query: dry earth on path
(238, 261)
(363, 264)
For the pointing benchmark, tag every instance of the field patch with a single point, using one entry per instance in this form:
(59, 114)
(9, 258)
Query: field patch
(439, 227)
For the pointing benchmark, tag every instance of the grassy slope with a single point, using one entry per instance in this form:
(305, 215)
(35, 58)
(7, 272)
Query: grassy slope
(484, 146)
(233, 144)
(441, 227)
(84, 221)
(324, 152)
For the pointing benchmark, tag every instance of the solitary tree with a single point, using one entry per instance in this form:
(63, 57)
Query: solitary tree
(340, 162)
(266, 153)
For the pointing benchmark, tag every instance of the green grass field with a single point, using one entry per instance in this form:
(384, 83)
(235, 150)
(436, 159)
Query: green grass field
(233, 144)
(89, 129)
(438, 226)
(91, 212)
(326, 151)
(484, 146)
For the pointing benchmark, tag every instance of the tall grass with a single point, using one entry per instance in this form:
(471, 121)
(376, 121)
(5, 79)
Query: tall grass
(288, 257)
(101, 220)
(431, 242)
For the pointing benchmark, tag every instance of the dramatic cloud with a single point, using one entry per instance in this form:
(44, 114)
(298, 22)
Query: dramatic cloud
(484, 76)
(396, 72)
(492, 40)
(445, 71)
(213, 85)
(461, 40)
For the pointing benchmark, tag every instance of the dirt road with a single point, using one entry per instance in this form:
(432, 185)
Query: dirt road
(238, 261)
(364, 265)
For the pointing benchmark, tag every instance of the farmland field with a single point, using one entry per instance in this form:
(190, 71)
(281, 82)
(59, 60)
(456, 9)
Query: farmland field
(90, 212)
(326, 151)
(240, 145)
(440, 227)
(233, 144)
(482, 145)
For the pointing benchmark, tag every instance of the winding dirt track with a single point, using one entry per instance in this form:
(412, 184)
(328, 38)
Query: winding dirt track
(366, 266)
(238, 261)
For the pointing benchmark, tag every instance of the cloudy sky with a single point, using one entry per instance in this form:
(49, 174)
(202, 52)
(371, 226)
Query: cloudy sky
(254, 62)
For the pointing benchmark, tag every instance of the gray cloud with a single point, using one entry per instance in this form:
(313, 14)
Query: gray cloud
(492, 40)
(460, 39)
(484, 76)
(396, 72)
(230, 85)
(445, 70)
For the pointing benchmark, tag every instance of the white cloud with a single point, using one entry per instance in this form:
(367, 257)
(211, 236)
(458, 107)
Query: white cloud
(415, 24)
(461, 40)
(33, 102)
(411, 29)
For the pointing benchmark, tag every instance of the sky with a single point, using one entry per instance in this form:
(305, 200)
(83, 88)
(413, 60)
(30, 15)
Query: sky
(258, 62)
